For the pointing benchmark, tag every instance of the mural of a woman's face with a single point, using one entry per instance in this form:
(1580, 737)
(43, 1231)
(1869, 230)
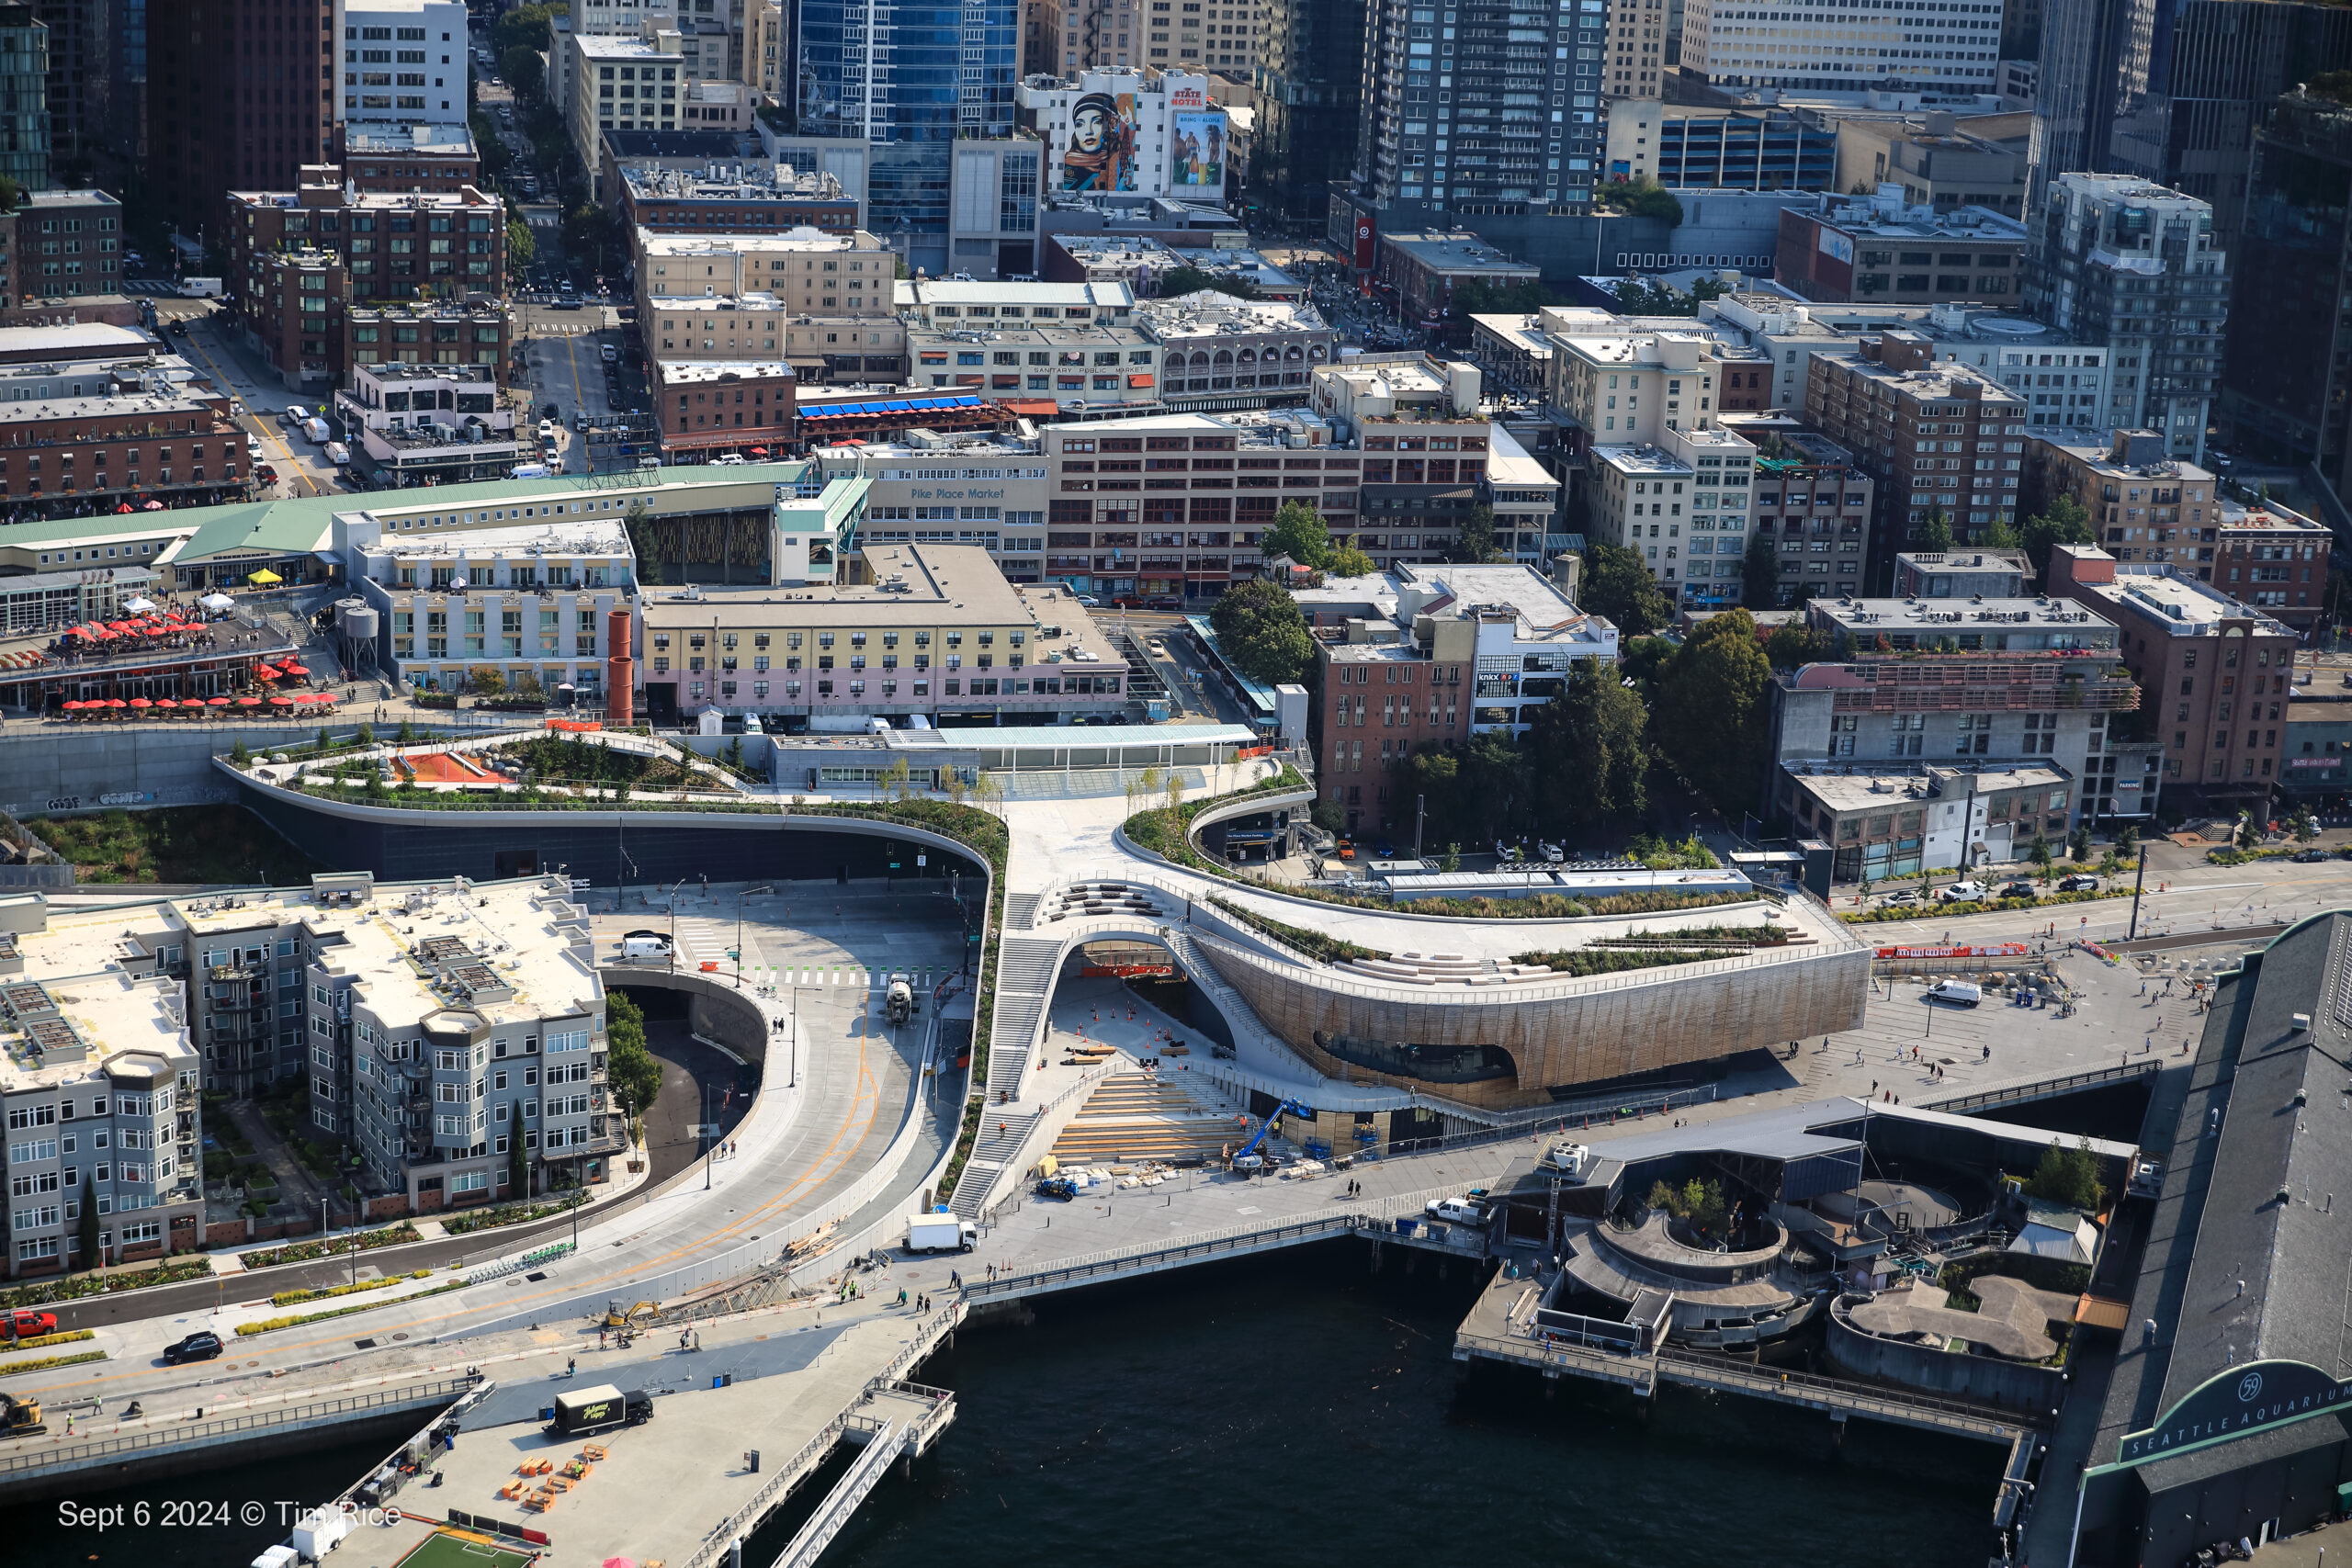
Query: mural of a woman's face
(1090, 129)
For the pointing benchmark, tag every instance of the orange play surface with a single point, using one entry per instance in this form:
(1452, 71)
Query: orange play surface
(442, 767)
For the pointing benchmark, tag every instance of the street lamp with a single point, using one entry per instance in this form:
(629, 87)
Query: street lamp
(738, 928)
(674, 920)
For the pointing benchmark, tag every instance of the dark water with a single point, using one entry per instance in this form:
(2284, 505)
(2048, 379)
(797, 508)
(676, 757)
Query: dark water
(1298, 1406)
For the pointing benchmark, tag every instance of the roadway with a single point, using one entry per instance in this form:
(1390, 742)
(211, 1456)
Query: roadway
(806, 1144)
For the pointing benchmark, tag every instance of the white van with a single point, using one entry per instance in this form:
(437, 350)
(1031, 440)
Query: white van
(1958, 993)
(728, 460)
(644, 950)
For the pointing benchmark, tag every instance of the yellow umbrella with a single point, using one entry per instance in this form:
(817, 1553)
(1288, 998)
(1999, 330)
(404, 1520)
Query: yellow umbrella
(264, 575)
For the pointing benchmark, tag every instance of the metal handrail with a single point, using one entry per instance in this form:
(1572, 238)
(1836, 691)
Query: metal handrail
(745, 1519)
(82, 1454)
(1863, 1396)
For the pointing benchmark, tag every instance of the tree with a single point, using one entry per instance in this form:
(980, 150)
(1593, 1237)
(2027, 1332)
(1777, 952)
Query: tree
(2128, 842)
(1474, 541)
(407, 735)
(1759, 575)
(1792, 645)
(524, 26)
(1998, 535)
(240, 756)
(90, 1258)
(1479, 297)
(2249, 834)
(1709, 710)
(1347, 560)
(1187, 279)
(635, 1073)
(2039, 852)
(2062, 522)
(1590, 746)
(1934, 533)
(1298, 531)
(2302, 824)
(2068, 1176)
(1619, 588)
(2080, 848)
(1261, 632)
(525, 69)
(486, 679)
(521, 248)
(1641, 197)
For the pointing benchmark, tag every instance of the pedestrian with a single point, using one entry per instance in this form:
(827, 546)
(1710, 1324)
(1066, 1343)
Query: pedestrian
(570, 1367)
(600, 1340)
(1988, 1053)
(1873, 1085)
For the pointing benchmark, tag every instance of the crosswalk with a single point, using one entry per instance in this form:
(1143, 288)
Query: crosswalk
(707, 941)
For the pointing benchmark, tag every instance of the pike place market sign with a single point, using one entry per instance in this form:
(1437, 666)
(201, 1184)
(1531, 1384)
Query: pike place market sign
(2244, 1399)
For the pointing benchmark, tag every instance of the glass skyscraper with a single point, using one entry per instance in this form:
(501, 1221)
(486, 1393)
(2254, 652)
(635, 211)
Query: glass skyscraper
(911, 80)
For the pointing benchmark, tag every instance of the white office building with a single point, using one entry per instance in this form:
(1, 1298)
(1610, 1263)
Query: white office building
(404, 60)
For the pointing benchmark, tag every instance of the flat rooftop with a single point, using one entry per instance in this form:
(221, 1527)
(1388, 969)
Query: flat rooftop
(579, 537)
(2182, 605)
(1545, 614)
(1459, 255)
(801, 237)
(734, 182)
(107, 998)
(1207, 313)
(1640, 459)
(1864, 615)
(1861, 791)
(958, 292)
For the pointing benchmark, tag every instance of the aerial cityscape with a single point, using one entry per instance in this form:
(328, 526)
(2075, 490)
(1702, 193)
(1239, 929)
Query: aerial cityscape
(992, 779)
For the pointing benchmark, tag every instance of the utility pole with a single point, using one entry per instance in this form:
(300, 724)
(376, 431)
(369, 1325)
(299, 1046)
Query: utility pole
(2138, 881)
(1421, 815)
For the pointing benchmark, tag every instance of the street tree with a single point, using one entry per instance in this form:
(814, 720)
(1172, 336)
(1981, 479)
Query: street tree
(1708, 714)
(1261, 630)
(1618, 587)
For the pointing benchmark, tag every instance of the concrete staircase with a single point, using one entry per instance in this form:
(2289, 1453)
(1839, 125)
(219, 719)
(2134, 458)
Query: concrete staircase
(1021, 910)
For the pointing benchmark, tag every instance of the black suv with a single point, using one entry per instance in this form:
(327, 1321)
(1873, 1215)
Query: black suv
(201, 1345)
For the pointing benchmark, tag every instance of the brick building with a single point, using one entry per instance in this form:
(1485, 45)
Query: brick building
(127, 442)
(435, 331)
(293, 313)
(2214, 672)
(395, 245)
(763, 197)
(383, 158)
(704, 408)
(1936, 440)
(59, 243)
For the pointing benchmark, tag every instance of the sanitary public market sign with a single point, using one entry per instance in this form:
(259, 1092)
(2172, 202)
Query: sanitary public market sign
(2242, 1400)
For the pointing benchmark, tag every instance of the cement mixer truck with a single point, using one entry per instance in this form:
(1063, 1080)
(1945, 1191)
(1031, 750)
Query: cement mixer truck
(898, 1003)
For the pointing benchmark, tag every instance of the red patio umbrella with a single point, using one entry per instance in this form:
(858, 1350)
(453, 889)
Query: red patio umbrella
(140, 703)
(153, 506)
(124, 507)
(324, 697)
(218, 702)
(116, 703)
(249, 702)
(281, 702)
(71, 707)
(165, 702)
(290, 668)
(157, 631)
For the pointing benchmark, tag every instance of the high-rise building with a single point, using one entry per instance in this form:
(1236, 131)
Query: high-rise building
(1309, 83)
(1167, 34)
(1469, 116)
(241, 94)
(913, 81)
(1635, 66)
(1953, 48)
(2171, 90)
(2132, 265)
(2285, 385)
(404, 60)
(767, 49)
(24, 115)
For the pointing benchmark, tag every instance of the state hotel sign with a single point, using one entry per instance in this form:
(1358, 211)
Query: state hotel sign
(2243, 1400)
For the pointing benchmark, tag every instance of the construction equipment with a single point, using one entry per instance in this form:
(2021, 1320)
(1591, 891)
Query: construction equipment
(21, 1417)
(898, 1003)
(635, 1316)
(1247, 1159)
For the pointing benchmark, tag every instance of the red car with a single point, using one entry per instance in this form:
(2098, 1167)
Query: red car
(26, 1324)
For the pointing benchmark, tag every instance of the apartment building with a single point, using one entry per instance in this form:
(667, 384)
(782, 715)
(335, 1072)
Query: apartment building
(733, 198)
(705, 409)
(1681, 506)
(100, 1080)
(2271, 557)
(395, 244)
(2012, 682)
(1938, 441)
(1466, 651)
(2214, 670)
(1953, 48)
(959, 303)
(1217, 348)
(2132, 265)
(429, 424)
(533, 602)
(403, 62)
(133, 438)
(1963, 574)
(631, 82)
(1632, 389)
(67, 242)
(293, 313)
(600, 18)
(1461, 115)
(457, 1038)
(1814, 503)
(439, 158)
(831, 295)
(1634, 57)
(1075, 364)
(447, 332)
(929, 629)
(1883, 250)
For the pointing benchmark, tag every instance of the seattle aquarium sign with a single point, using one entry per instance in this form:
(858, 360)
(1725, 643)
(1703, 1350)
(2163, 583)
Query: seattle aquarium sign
(2244, 1399)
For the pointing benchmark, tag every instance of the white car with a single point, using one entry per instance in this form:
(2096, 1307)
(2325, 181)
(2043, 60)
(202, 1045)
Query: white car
(546, 430)
(252, 448)
(1964, 892)
(1460, 1211)
(612, 355)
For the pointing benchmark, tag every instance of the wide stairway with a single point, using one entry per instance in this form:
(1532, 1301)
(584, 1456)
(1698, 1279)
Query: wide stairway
(1132, 1118)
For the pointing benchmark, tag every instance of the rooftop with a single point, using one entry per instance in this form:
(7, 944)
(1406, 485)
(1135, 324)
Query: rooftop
(375, 200)
(128, 404)
(375, 141)
(1944, 380)
(732, 182)
(798, 238)
(1886, 217)
(1873, 616)
(682, 372)
(1459, 253)
(1640, 460)
(1207, 313)
(963, 291)
(1057, 332)
(2183, 605)
(86, 340)
(1543, 613)
(1857, 789)
(590, 537)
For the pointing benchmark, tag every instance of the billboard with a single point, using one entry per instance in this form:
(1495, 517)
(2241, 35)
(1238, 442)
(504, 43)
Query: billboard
(1196, 151)
(1101, 152)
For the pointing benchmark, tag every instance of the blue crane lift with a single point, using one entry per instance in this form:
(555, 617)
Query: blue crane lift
(1265, 1127)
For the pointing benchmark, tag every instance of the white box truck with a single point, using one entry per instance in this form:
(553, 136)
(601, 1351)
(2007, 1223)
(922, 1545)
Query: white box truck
(318, 431)
(940, 1233)
(200, 287)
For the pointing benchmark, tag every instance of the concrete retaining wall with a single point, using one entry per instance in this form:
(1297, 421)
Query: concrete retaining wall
(2012, 1384)
(49, 768)
(715, 1009)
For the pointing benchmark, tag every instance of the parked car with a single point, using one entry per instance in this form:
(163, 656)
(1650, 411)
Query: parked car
(546, 428)
(1553, 855)
(1460, 1211)
(2019, 889)
(612, 355)
(2308, 856)
(201, 1345)
(1956, 993)
(1908, 896)
(1346, 850)
(26, 1324)
(292, 414)
(1384, 850)
(2081, 881)
(252, 448)
(1962, 892)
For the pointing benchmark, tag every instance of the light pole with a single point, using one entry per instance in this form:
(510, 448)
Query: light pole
(709, 1143)
(738, 928)
(674, 920)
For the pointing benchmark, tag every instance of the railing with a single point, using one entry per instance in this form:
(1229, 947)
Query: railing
(1909, 1409)
(743, 1521)
(2044, 1088)
(836, 1510)
(183, 1433)
(1614, 1364)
